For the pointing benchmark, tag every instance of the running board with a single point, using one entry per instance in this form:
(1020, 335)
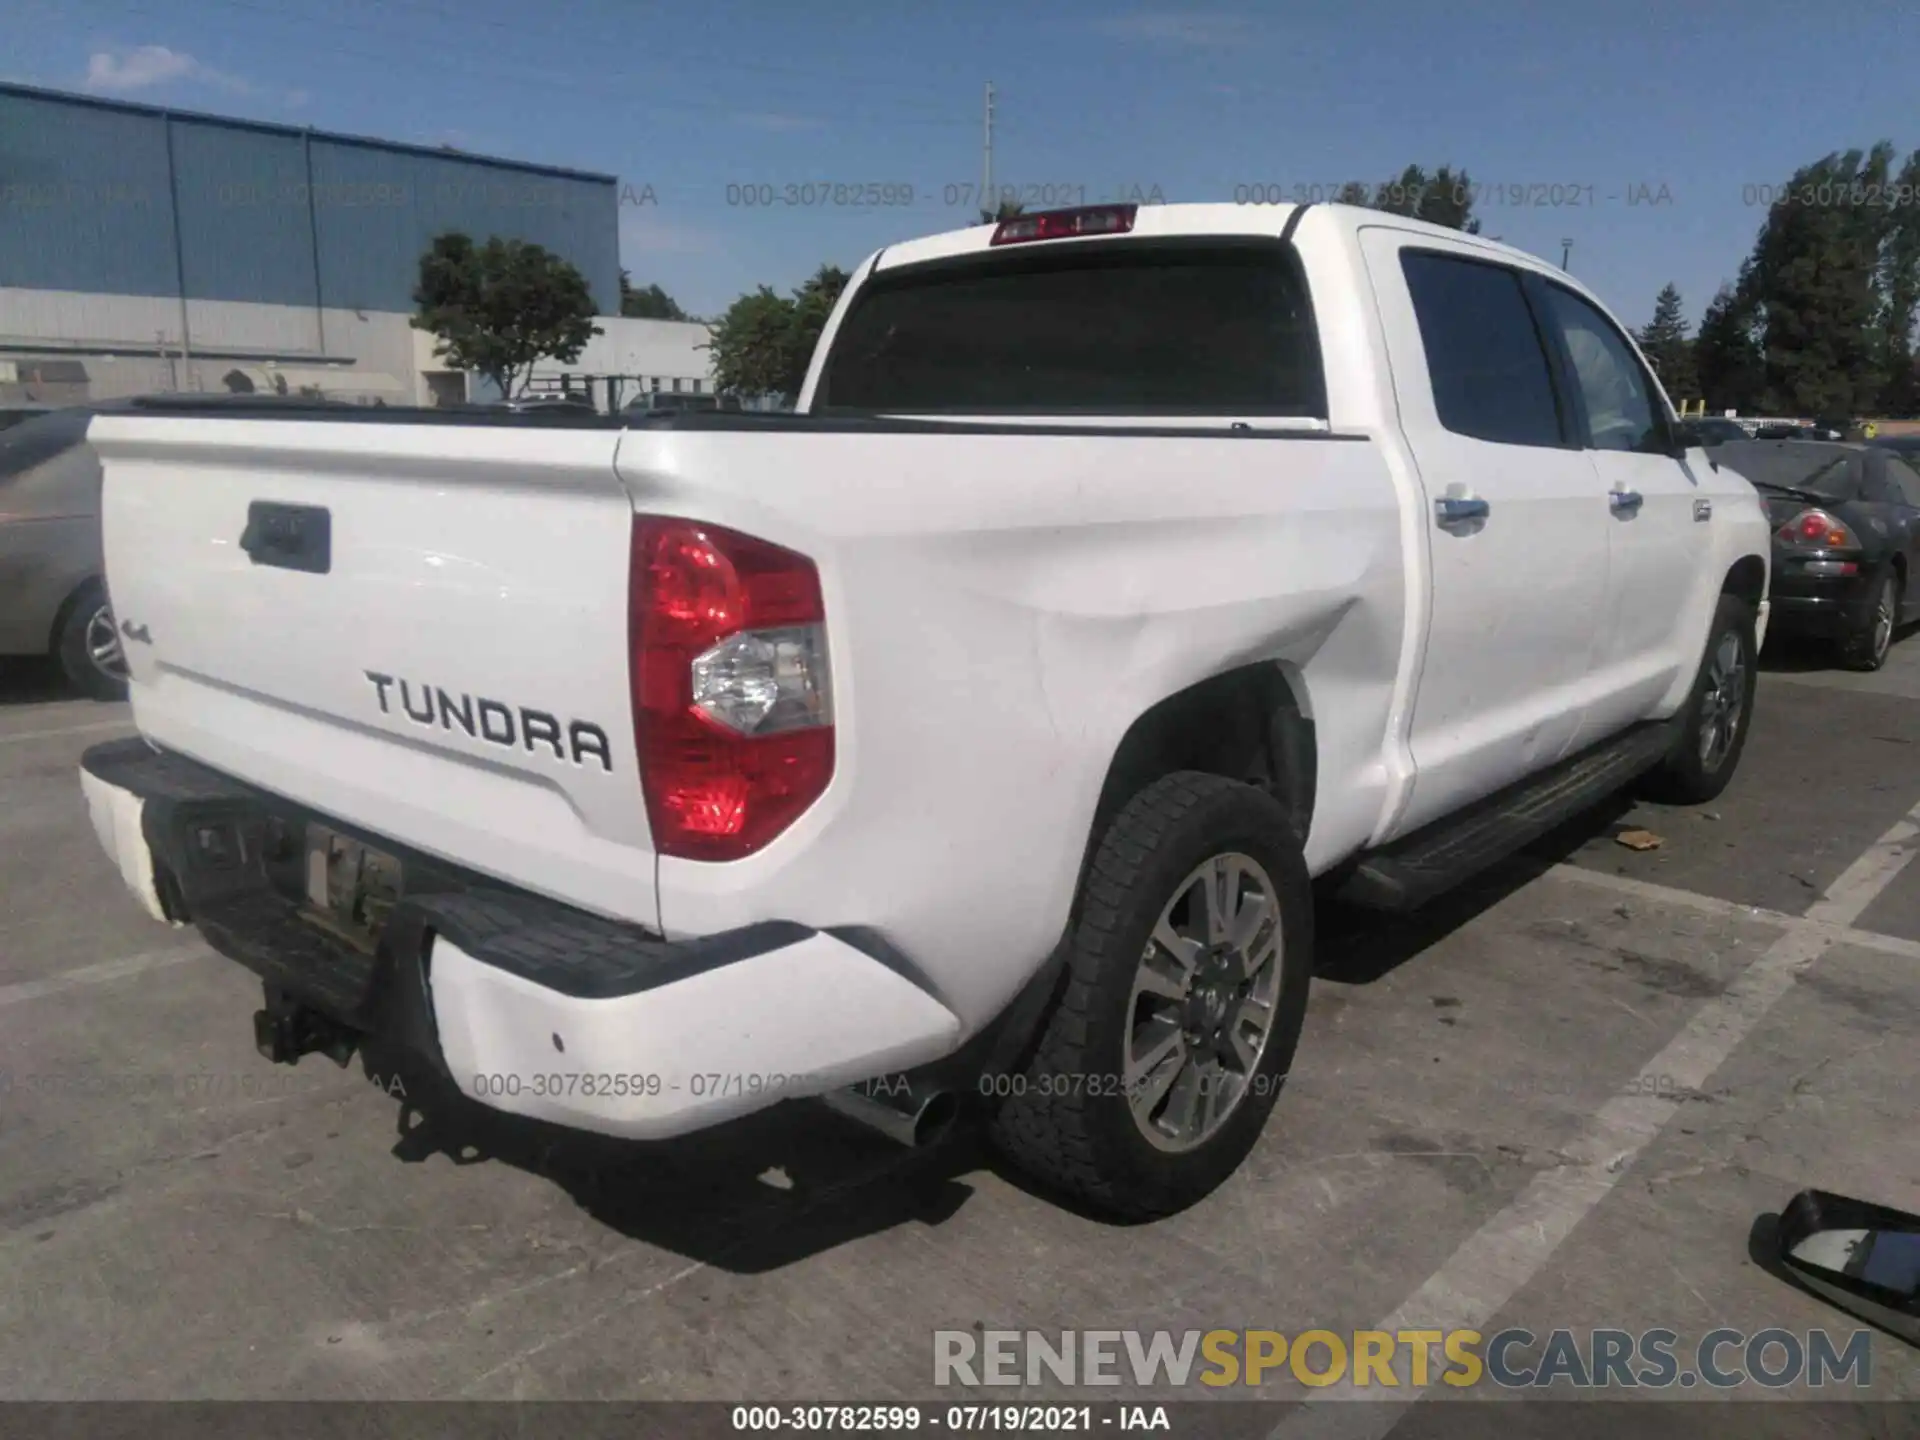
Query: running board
(1411, 871)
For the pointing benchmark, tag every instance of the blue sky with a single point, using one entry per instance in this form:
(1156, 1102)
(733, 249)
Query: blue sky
(1683, 106)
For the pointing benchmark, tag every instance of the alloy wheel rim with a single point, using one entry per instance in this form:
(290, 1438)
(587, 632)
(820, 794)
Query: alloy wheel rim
(1726, 701)
(1204, 999)
(103, 644)
(1883, 621)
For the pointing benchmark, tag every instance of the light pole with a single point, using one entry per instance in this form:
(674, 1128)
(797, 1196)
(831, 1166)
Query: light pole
(1566, 253)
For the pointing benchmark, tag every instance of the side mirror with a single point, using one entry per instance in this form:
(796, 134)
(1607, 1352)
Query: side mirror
(1862, 1257)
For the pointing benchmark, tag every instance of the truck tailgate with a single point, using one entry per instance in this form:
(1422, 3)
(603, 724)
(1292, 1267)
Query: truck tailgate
(418, 629)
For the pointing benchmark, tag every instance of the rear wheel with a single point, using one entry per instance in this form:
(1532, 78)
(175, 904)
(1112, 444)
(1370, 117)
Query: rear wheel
(1711, 732)
(1186, 986)
(88, 646)
(1870, 638)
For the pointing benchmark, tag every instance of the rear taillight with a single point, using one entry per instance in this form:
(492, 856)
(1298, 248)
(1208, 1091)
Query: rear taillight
(1064, 224)
(1815, 530)
(732, 698)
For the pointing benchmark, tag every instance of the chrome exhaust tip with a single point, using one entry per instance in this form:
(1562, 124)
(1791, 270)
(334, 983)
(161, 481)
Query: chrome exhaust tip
(905, 1114)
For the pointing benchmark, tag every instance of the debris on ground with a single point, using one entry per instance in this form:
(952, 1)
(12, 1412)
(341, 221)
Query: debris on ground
(1639, 840)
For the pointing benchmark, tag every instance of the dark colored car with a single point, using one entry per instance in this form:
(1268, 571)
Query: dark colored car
(544, 404)
(1846, 540)
(660, 402)
(1712, 430)
(1907, 447)
(12, 415)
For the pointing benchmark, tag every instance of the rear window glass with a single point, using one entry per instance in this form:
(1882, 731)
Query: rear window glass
(1123, 329)
(1832, 474)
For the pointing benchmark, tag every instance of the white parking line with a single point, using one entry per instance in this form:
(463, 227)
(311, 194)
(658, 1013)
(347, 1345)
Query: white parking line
(98, 728)
(1714, 905)
(99, 974)
(1500, 1258)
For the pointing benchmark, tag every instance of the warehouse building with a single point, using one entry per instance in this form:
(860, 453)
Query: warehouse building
(144, 249)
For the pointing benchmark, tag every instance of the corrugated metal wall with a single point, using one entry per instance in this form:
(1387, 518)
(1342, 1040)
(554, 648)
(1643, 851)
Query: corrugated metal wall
(87, 203)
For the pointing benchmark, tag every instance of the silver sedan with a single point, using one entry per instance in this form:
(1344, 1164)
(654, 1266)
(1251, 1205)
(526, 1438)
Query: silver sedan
(53, 592)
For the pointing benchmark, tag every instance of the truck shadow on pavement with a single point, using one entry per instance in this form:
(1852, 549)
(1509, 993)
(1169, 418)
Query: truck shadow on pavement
(777, 1187)
(1360, 947)
(749, 1196)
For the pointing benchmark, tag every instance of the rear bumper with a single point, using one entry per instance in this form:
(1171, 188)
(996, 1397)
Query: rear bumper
(529, 1006)
(1821, 606)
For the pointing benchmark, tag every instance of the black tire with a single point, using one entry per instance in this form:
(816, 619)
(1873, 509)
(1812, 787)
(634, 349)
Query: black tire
(1068, 1121)
(1689, 775)
(1869, 639)
(75, 644)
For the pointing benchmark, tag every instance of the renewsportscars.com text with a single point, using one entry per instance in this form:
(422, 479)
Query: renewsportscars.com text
(1513, 1358)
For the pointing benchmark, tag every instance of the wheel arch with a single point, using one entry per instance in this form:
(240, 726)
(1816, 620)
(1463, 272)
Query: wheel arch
(1747, 579)
(1253, 723)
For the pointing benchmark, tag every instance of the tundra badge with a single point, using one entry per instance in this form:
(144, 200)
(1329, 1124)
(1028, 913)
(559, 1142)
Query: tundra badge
(496, 722)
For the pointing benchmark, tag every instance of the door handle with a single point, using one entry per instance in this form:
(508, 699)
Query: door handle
(1459, 509)
(289, 537)
(1625, 502)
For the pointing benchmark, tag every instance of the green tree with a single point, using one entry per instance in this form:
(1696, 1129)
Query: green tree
(1005, 210)
(651, 303)
(499, 307)
(750, 344)
(764, 342)
(1816, 275)
(1444, 197)
(1727, 356)
(813, 305)
(1899, 286)
(1667, 349)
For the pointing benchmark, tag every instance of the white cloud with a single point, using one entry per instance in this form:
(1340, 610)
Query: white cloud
(1195, 30)
(125, 69)
(137, 69)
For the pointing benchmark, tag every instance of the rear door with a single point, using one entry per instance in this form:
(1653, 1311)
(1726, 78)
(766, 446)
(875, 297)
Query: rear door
(417, 629)
(1658, 523)
(1515, 522)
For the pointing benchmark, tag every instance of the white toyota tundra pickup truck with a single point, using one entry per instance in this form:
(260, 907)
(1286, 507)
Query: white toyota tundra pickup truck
(982, 731)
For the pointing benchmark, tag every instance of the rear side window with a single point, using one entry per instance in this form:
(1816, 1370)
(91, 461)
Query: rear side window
(1115, 328)
(1484, 354)
(1907, 480)
(1887, 480)
(1621, 411)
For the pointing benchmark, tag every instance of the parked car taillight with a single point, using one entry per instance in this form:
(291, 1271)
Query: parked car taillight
(1815, 530)
(732, 695)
